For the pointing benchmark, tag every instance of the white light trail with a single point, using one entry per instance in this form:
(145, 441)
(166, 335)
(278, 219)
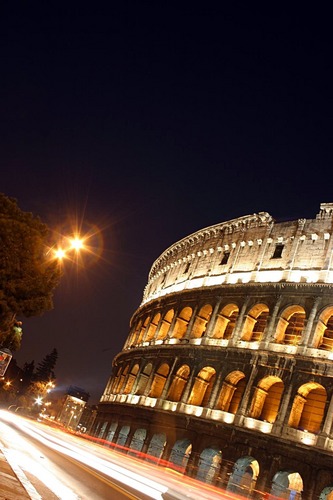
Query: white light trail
(129, 478)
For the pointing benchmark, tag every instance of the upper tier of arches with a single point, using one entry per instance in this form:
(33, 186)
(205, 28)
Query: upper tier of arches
(272, 322)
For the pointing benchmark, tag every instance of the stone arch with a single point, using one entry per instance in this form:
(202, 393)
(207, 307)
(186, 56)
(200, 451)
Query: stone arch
(244, 476)
(135, 332)
(165, 325)
(291, 325)
(181, 323)
(138, 439)
(115, 382)
(142, 330)
(200, 322)
(181, 452)
(308, 408)
(202, 387)
(157, 445)
(178, 383)
(209, 465)
(143, 379)
(267, 399)
(159, 381)
(101, 429)
(151, 330)
(123, 435)
(287, 485)
(323, 338)
(231, 392)
(111, 431)
(255, 323)
(225, 322)
(131, 379)
(121, 378)
(327, 493)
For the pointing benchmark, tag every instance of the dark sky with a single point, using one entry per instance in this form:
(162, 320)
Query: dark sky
(151, 121)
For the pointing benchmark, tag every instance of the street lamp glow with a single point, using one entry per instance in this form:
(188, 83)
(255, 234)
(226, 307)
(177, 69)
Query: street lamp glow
(59, 253)
(76, 243)
(71, 247)
(39, 400)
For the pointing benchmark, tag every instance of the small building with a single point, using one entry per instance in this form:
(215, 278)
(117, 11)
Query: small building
(74, 403)
(87, 419)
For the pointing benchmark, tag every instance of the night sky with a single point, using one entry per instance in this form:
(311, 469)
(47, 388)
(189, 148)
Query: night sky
(150, 121)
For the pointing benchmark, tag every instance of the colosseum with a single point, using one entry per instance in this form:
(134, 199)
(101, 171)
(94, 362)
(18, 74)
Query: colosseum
(227, 371)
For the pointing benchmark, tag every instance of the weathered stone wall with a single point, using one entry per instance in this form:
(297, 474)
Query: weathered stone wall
(304, 253)
(230, 355)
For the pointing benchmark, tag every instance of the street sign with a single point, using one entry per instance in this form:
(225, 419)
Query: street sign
(5, 358)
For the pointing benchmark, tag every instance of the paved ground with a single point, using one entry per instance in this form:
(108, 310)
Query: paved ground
(11, 487)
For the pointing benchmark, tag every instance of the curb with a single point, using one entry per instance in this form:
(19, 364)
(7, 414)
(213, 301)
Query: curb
(14, 483)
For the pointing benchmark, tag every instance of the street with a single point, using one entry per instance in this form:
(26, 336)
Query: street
(64, 466)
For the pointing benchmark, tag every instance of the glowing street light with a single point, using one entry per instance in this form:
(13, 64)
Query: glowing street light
(76, 243)
(73, 244)
(59, 253)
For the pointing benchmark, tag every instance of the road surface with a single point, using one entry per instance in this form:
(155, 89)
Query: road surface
(59, 465)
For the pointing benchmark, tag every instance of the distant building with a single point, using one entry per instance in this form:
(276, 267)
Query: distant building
(87, 419)
(227, 371)
(73, 406)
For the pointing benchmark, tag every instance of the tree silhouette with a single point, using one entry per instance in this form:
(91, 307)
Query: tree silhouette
(45, 369)
(27, 277)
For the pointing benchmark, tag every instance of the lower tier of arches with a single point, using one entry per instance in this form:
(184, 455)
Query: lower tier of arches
(231, 458)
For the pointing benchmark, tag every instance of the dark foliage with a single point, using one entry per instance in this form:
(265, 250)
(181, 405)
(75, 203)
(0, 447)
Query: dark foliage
(45, 369)
(27, 276)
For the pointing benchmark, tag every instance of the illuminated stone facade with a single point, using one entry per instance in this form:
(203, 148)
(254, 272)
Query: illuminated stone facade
(227, 371)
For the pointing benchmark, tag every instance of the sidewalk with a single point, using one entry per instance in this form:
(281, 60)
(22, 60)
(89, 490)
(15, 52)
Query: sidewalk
(11, 487)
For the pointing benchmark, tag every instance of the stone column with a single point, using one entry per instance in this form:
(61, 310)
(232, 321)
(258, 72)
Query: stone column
(240, 322)
(280, 423)
(294, 248)
(167, 450)
(246, 396)
(190, 323)
(188, 387)
(158, 326)
(107, 428)
(235, 257)
(329, 255)
(147, 329)
(215, 392)
(149, 381)
(129, 438)
(308, 334)
(271, 330)
(146, 443)
(116, 433)
(172, 325)
(169, 379)
(137, 378)
(327, 426)
(263, 242)
(192, 464)
(212, 321)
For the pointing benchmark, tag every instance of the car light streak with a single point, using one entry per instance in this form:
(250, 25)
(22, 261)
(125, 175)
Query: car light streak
(32, 464)
(116, 472)
(155, 481)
